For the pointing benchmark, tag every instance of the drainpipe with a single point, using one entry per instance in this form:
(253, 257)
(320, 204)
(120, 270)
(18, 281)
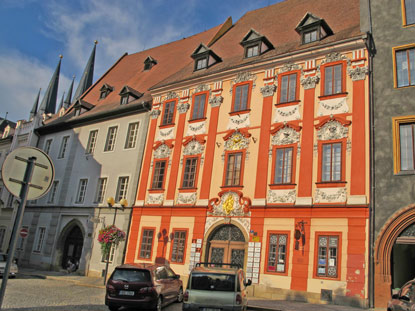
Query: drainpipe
(128, 234)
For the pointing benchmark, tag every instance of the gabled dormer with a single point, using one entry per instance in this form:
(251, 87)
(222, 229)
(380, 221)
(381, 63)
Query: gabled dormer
(149, 63)
(105, 90)
(204, 57)
(255, 44)
(129, 94)
(313, 28)
(81, 106)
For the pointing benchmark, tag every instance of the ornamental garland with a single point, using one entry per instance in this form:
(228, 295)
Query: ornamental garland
(110, 235)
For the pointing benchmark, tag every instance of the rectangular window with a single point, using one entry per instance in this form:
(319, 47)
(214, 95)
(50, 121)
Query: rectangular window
(132, 134)
(53, 191)
(233, 169)
(310, 36)
(283, 165)
(110, 255)
(10, 200)
(252, 51)
(124, 100)
(48, 143)
(41, 231)
(333, 79)
(158, 176)
(146, 243)
(122, 188)
(199, 106)
(189, 176)
(111, 136)
(101, 188)
(2, 236)
(409, 7)
(201, 63)
(177, 253)
(64, 145)
(406, 142)
(20, 241)
(92, 140)
(168, 112)
(80, 197)
(277, 253)
(288, 88)
(241, 97)
(332, 162)
(328, 256)
(405, 67)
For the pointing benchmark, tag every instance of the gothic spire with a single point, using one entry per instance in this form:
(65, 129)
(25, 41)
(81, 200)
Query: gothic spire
(87, 76)
(48, 104)
(33, 112)
(67, 101)
(61, 104)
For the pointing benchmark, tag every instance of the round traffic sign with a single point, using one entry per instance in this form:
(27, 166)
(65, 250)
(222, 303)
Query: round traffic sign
(14, 168)
(23, 232)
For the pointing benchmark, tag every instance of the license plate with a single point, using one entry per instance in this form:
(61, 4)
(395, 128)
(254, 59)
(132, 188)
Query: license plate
(126, 293)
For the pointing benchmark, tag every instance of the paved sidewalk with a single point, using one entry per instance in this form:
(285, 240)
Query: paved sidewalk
(255, 304)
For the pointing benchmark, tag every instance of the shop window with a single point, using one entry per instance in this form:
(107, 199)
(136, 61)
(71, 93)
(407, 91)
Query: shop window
(146, 245)
(277, 253)
(404, 67)
(178, 246)
(328, 255)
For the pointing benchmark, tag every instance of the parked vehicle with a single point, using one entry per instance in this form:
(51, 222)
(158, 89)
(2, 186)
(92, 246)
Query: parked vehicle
(13, 268)
(405, 299)
(143, 286)
(216, 287)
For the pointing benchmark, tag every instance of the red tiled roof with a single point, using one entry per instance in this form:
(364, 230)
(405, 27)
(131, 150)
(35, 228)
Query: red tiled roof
(277, 23)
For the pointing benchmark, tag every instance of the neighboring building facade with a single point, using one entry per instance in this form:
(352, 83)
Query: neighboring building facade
(258, 154)
(393, 26)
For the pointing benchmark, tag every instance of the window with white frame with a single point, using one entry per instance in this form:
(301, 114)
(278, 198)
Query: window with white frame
(64, 146)
(80, 197)
(2, 236)
(111, 136)
(46, 148)
(40, 237)
(122, 188)
(109, 256)
(53, 191)
(131, 140)
(21, 240)
(92, 140)
(101, 188)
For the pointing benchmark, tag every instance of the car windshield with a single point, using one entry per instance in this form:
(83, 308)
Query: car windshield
(130, 275)
(213, 282)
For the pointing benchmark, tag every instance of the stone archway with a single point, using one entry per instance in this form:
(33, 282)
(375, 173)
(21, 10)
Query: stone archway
(384, 245)
(70, 244)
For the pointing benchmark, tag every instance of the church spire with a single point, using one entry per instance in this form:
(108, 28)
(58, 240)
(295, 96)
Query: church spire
(61, 104)
(67, 101)
(87, 76)
(33, 112)
(48, 104)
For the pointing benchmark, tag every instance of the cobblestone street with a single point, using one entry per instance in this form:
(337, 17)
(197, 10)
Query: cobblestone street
(35, 294)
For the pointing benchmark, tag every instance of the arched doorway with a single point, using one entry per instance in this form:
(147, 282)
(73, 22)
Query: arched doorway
(226, 244)
(72, 249)
(403, 257)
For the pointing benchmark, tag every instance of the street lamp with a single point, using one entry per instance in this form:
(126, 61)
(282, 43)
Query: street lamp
(111, 204)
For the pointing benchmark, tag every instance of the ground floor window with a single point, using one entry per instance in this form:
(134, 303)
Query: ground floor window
(328, 251)
(277, 252)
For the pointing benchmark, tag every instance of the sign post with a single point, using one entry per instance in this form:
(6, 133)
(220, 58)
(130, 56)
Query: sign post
(28, 174)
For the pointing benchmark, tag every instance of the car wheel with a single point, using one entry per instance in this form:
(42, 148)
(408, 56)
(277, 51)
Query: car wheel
(180, 295)
(158, 305)
(113, 308)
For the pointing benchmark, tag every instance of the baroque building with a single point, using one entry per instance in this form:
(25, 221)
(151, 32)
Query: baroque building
(257, 154)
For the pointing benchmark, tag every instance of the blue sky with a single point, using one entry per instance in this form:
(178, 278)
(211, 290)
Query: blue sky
(35, 32)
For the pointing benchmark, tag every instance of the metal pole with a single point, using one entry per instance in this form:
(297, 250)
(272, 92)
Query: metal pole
(19, 218)
(109, 253)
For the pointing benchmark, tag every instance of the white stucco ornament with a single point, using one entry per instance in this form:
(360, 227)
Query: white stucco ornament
(285, 136)
(163, 151)
(236, 142)
(332, 130)
(193, 147)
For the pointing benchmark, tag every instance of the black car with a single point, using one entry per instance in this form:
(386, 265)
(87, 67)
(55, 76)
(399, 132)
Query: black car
(405, 299)
(143, 286)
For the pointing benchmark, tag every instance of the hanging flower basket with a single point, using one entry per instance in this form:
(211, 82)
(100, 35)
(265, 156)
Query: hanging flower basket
(110, 235)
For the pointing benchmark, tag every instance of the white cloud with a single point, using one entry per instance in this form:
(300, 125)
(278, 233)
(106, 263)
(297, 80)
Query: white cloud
(20, 80)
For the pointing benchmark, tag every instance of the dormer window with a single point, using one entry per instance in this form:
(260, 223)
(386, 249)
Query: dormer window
(313, 28)
(105, 90)
(204, 57)
(129, 94)
(255, 44)
(81, 106)
(149, 63)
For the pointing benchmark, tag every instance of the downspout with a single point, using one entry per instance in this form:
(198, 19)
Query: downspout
(372, 51)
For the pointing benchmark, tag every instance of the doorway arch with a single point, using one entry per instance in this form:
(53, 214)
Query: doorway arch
(226, 244)
(387, 244)
(70, 244)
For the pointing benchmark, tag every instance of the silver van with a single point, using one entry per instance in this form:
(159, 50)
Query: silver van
(216, 287)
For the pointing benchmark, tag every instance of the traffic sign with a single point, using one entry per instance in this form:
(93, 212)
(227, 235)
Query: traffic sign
(14, 168)
(23, 232)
